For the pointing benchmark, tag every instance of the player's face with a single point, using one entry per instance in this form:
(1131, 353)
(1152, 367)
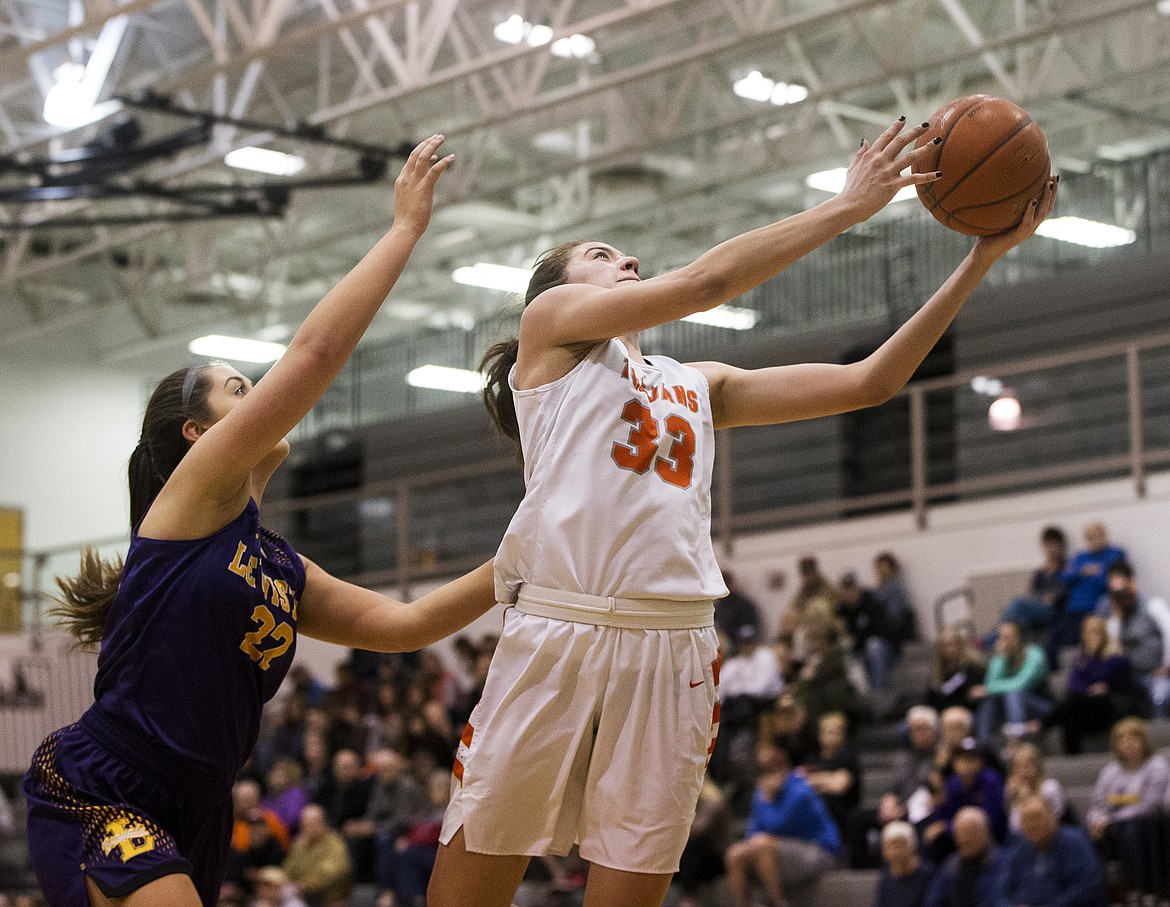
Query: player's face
(228, 388)
(600, 265)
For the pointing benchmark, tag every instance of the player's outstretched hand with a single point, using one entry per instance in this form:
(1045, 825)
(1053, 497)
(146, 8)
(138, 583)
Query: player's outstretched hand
(875, 174)
(1037, 210)
(414, 190)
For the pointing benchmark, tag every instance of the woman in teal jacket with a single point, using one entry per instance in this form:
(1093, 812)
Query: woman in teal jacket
(1015, 691)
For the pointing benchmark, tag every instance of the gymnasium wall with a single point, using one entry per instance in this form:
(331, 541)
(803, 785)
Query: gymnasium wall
(963, 542)
(67, 436)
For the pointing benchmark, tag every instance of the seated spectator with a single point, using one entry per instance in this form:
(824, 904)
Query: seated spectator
(893, 596)
(286, 797)
(957, 671)
(749, 684)
(1159, 609)
(1025, 778)
(1016, 689)
(430, 737)
(386, 723)
(1049, 864)
(790, 839)
(702, 858)
(344, 793)
(969, 875)
(973, 783)
(823, 682)
(815, 599)
(1034, 613)
(894, 622)
(258, 838)
(406, 868)
(286, 738)
(318, 862)
(834, 771)
(1086, 584)
(273, 888)
(789, 723)
(1130, 788)
(957, 724)
(907, 797)
(395, 803)
(1133, 629)
(874, 639)
(316, 760)
(733, 611)
(1100, 688)
(905, 878)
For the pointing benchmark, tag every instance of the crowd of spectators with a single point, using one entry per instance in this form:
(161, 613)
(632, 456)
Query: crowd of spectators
(350, 779)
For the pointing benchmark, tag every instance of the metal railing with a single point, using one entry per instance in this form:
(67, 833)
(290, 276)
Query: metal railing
(1088, 414)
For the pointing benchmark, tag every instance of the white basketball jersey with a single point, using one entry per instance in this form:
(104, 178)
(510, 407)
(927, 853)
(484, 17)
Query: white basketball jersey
(617, 468)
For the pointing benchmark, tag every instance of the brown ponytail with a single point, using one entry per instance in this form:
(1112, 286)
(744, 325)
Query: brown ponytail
(498, 361)
(86, 598)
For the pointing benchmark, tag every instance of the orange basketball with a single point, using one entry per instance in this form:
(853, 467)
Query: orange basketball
(993, 158)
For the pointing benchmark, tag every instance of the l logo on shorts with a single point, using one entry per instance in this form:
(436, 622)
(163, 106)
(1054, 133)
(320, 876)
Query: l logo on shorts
(697, 683)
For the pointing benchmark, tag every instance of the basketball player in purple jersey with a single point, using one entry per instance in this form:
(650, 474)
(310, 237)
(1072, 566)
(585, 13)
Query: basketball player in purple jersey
(131, 806)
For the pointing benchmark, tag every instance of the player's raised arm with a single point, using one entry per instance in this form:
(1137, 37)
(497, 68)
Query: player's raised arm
(222, 462)
(792, 392)
(577, 313)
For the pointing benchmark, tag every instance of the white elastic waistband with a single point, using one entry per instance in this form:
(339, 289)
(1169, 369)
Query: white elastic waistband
(608, 611)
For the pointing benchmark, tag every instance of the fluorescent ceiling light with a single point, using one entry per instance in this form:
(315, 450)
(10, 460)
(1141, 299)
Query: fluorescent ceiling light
(516, 30)
(755, 86)
(575, 46)
(834, 181)
(69, 104)
(440, 377)
(1163, 6)
(731, 317)
(264, 160)
(494, 277)
(1083, 232)
(238, 349)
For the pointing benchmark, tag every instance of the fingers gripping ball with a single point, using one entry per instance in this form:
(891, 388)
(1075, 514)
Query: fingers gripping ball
(994, 161)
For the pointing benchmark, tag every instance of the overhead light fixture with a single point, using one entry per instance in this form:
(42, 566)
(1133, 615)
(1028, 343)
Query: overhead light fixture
(834, 181)
(517, 30)
(734, 318)
(1083, 232)
(444, 378)
(1004, 413)
(755, 86)
(237, 349)
(1163, 6)
(989, 387)
(493, 277)
(264, 160)
(70, 102)
(576, 47)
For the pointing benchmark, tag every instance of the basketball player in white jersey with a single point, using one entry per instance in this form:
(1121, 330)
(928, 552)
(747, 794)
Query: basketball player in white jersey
(601, 704)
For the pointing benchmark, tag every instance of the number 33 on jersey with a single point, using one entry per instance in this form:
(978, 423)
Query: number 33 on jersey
(669, 448)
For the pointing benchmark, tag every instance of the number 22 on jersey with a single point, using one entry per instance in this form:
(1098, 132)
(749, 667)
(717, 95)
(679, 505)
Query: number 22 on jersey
(640, 450)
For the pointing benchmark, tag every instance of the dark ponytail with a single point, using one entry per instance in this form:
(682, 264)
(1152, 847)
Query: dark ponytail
(86, 598)
(498, 361)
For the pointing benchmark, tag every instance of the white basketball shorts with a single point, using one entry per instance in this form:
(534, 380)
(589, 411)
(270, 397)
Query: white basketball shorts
(589, 734)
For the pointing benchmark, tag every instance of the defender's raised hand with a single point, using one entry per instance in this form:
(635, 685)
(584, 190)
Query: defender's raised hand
(414, 190)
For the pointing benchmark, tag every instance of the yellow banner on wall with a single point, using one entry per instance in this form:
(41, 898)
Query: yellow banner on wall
(11, 542)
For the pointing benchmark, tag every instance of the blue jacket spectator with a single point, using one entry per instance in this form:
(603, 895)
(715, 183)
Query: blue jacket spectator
(794, 811)
(969, 876)
(790, 838)
(1086, 578)
(1049, 864)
